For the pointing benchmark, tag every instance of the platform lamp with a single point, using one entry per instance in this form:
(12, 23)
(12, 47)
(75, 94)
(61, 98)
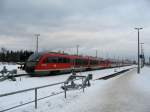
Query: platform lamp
(138, 29)
(37, 42)
(142, 55)
(77, 49)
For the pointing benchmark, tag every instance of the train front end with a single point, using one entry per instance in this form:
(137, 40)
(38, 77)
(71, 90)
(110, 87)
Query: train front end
(32, 62)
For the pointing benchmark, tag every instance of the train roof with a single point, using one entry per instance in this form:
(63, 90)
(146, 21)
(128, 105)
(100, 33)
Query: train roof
(65, 54)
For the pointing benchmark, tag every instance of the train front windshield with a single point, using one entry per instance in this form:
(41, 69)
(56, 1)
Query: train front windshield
(35, 57)
(32, 62)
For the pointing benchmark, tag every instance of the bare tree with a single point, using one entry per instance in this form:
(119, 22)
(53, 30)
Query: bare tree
(3, 50)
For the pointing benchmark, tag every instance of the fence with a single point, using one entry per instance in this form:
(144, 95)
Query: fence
(35, 90)
(35, 93)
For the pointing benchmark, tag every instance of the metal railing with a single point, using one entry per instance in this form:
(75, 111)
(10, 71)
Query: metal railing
(70, 84)
(35, 90)
(35, 94)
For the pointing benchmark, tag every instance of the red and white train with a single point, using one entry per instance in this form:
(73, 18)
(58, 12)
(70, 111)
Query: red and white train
(48, 62)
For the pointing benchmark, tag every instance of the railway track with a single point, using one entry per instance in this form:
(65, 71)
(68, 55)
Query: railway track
(3, 78)
(19, 75)
(114, 74)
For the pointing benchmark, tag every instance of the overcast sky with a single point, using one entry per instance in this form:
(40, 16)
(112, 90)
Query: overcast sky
(103, 25)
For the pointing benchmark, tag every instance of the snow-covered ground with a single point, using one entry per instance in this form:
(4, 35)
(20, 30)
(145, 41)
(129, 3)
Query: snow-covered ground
(126, 93)
(129, 92)
(57, 103)
(26, 82)
(11, 66)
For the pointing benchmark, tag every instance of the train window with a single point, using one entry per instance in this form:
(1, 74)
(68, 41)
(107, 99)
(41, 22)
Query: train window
(35, 57)
(82, 61)
(85, 62)
(60, 60)
(66, 60)
(57, 60)
(93, 62)
(78, 61)
(102, 62)
(54, 59)
(46, 60)
(51, 60)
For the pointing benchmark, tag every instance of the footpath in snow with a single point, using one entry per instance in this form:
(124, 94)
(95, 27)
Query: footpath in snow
(126, 93)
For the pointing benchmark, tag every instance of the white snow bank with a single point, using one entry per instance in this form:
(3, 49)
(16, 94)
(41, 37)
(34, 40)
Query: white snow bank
(129, 92)
(10, 66)
(54, 103)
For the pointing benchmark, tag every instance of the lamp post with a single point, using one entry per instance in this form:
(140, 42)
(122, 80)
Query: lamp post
(37, 42)
(142, 55)
(77, 50)
(96, 53)
(142, 48)
(138, 29)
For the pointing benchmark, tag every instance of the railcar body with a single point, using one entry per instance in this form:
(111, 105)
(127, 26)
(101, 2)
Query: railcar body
(48, 63)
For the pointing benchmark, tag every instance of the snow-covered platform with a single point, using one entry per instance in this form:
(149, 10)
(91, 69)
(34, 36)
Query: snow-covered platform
(129, 92)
